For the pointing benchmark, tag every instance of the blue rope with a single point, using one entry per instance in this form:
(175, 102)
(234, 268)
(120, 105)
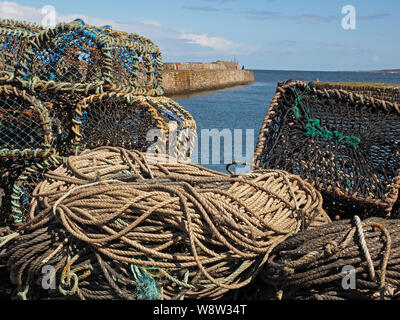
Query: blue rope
(175, 117)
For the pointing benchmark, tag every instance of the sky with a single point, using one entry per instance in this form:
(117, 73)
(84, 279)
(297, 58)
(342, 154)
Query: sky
(259, 34)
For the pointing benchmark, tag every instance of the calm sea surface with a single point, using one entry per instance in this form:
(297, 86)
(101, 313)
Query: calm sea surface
(244, 108)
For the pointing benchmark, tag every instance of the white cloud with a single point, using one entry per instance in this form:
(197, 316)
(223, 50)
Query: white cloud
(175, 42)
(152, 23)
(13, 10)
(219, 44)
(216, 43)
(16, 11)
(376, 58)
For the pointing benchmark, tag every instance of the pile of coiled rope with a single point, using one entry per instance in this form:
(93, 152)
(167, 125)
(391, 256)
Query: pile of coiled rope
(320, 264)
(115, 224)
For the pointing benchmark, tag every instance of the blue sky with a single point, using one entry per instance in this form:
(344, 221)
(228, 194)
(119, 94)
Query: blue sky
(261, 34)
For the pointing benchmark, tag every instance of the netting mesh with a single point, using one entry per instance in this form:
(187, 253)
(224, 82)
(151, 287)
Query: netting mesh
(346, 145)
(24, 121)
(81, 58)
(14, 36)
(125, 63)
(125, 121)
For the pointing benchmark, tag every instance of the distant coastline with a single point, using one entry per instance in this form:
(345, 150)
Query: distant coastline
(379, 71)
(390, 71)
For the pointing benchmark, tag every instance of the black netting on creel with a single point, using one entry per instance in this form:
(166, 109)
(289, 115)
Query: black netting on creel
(383, 91)
(346, 146)
(112, 121)
(134, 123)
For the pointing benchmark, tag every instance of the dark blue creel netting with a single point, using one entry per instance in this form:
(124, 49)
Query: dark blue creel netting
(70, 57)
(128, 57)
(10, 48)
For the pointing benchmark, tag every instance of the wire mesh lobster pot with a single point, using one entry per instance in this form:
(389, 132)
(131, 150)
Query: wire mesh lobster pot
(156, 124)
(380, 91)
(14, 36)
(346, 144)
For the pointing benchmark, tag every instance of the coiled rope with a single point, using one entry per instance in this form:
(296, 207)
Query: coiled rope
(115, 224)
(314, 259)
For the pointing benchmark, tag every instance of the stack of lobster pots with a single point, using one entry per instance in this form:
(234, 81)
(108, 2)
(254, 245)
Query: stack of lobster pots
(74, 87)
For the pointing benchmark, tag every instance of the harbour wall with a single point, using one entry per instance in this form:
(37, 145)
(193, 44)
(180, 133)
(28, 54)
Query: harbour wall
(189, 77)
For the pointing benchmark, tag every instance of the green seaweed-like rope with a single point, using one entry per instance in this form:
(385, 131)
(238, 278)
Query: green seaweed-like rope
(146, 286)
(313, 127)
(295, 108)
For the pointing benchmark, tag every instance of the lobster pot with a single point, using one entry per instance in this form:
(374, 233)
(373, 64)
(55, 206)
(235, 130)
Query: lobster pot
(137, 62)
(156, 124)
(25, 138)
(385, 92)
(18, 178)
(77, 58)
(25, 125)
(14, 37)
(346, 144)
